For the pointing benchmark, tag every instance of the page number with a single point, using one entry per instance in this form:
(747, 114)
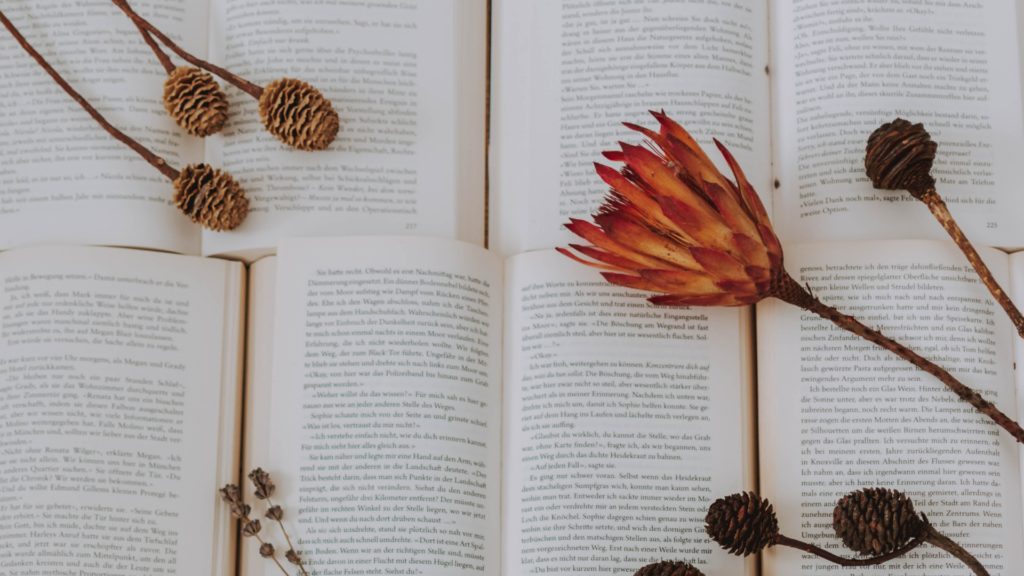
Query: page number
(410, 225)
(992, 225)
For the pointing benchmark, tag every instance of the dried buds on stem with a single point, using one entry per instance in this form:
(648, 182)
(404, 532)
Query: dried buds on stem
(674, 225)
(251, 528)
(264, 489)
(899, 157)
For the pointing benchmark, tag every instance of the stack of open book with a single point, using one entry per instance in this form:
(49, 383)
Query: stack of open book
(427, 406)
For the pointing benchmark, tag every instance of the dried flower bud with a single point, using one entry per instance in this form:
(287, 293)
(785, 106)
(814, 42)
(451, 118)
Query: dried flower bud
(194, 99)
(899, 157)
(742, 523)
(876, 521)
(251, 528)
(210, 197)
(267, 550)
(293, 557)
(275, 513)
(261, 480)
(669, 569)
(298, 114)
(230, 493)
(240, 510)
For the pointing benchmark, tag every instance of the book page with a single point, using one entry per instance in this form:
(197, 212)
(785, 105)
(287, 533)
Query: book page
(63, 178)
(408, 80)
(1016, 292)
(839, 414)
(385, 435)
(844, 70)
(566, 74)
(119, 395)
(623, 422)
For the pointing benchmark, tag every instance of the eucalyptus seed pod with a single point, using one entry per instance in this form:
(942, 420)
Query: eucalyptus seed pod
(743, 523)
(210, 197)
(194, 99)
(899, 156)
(876, 521)
(669, 569)
(298, 114)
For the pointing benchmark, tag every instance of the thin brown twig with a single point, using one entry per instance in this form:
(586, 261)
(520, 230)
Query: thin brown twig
(274, 558)
(290, 546)
(939, 540)
(812, 549)
(238, 82)
(162, 56)
(156, 161)
(790, 291)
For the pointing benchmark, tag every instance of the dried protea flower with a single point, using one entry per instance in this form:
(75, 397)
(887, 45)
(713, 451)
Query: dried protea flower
(230, 493)
(743, 523)
(675, 225)
(210, 197)
(876, 521)
(669, 569)
(267, 550)
(275, 513)
(194, 99)
(293, 557)
(261, 481)
(899, 157)
(251, 528)
(298, 114)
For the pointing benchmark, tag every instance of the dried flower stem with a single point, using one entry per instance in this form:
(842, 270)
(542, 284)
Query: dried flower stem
(938, 209)
(939, 540)
(781, 540)
(238, 82)
(788, 290)
(285, 532)
(156, 161)
(274, 558)
(162, 56)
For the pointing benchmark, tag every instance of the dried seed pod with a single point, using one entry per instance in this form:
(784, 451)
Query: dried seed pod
(899, 157)
(251, 528)
(267, 550)
(742, 523)
(240, 510)
(876, 521)
(261, 480)
(275, 513)
(298, 114)
(210, 197)
(293, 557)
(194, 99)
(230, 493)
(669, 569)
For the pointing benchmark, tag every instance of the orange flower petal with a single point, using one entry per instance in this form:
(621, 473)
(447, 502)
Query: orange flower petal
(630, 281)
(661, 179)
(720, 265)
(670, 254)
(753, 253)
(747, 191)
(682, 282)
(614, 156)
(644, 203)
(676, 300)
(771, 243)
(597, 237)
(608, 258)
(713, 233)
(597, 265)
(732, 212)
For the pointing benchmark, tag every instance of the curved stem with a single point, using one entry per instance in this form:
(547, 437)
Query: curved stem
(156, 161)
(164, 59)
(238, 82)
(289, 540)
(812, 549)
(937, 539)
(790, 291)
(274, 558)
(941, 212)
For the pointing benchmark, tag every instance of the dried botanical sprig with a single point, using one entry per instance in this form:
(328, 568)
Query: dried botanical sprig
(666, 568)
(264, 489)
(267, 550)
(874, 521)
(745, 524)
(295, 112)
(899, 156)
(251, 528)
(675, 225)
(231, 197)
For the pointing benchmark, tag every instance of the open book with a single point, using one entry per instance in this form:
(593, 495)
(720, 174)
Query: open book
(430, 407)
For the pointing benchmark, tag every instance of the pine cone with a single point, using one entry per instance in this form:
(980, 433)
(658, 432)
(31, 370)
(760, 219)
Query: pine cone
(876, 521)
(899, 157)
(298, 114)
(669, 569)
(210, 197)
(194, 99)
(742, 523)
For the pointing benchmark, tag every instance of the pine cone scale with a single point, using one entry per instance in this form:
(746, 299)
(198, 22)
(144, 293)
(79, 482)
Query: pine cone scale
(876, 521)
(210, 197)
(742, 523)
(194, 99)
(298, 114)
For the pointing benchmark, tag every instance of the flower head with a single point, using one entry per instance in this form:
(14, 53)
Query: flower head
(261, 480)
(674, 224)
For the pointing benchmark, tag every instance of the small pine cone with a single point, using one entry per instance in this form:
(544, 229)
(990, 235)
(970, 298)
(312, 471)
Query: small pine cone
(210, 197)
(275, 513)
(293, 557)
(899, 157)
(194, 99)
(251, 528)
(298, 114)
(669, 569)
(742, 523)
(261, 480)
(876, 521)
(267, 550)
